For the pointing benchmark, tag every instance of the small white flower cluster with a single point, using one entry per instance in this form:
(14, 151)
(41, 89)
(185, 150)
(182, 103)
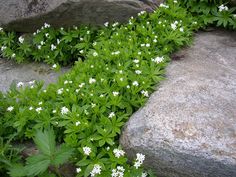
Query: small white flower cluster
(141, 13)
(21, 39)
(115, 24)
(60, 91)
(64, 110)
(53, 47)
(87, 150)
(96, 170)
(118, 153)
(164, 6)
(112, 114)
(20, 84)
(135, 83)
(39, 109)
(144, 174)
(106, 24)
(158, 59)
(78, 170)
(223, 8)
(145, 93)
(139, 160)
(10, 108)
(95, 54)
(54, 66)
(118, 172)
(92, 80)
(115, 93)
(145, 45)
(115, 53)
(67, 82)
(3, 48)
(1, 29)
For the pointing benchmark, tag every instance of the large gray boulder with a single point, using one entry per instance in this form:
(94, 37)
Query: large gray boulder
(29, 15)
(188, 127)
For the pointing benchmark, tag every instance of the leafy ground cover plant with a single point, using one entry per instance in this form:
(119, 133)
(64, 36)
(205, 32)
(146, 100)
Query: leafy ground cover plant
(89, 105)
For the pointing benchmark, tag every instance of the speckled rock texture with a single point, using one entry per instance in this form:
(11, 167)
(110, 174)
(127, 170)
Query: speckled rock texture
(188, 126)
(29, 15)
(10, 72)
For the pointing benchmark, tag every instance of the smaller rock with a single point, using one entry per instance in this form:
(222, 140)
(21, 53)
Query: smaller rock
(10, 72)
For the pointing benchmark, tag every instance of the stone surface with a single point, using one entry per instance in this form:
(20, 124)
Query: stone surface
(188, 126)
(29, 15)
(11, 72)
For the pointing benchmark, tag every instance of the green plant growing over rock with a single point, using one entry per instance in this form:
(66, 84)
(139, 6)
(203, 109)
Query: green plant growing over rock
(117, 68)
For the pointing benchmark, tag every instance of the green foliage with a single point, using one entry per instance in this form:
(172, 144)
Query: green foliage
(116, 68)
(49, 155)
(214, 12)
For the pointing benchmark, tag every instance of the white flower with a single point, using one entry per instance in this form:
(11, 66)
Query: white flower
(58, 41)
(78, 170)
(64, 110)
(145, 174)
(47, 35)
(175, 1)
(106, 24)
(77, 123)
(87, 150)
(40, 103)
(121, 79)
(96, 170)
(39, 109)
(81, 85)
(118, 172)
(42, 42)
(138, 72)
(101, 96)
(234, 15)
(173, 26)
(32, 82)
(136, 61)
(158, 59)
(46, 25)
(112, 114)
(21, 39)
(145, 93)
(223, 8)
(155, 40)
(92, 80)
(115, 53)
(20, 84)
(39, 47)
(118, 153)
(135, 83)
(95, 54)
(115, 24)
(54, 111)
(127, 86)
(10, 108)
(1, 29)
(3, 48)
(53, 47)
(181, 29)
(141, 13)
(164, 6)
(148, 45)
(93, 105)
(31, 108)
(60, 91)
(13, 55)
(139, 160)
(66, 82)
(54, 66)
(115, 93)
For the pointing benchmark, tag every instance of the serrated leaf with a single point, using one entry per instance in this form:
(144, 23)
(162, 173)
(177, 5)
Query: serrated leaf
(45, 141)
(62, 155)
(17, 170)
(37, 164)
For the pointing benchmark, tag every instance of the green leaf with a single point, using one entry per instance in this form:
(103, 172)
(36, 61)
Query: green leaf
(45, 141)
(62, 155)
(17, 170)
(37, 164)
